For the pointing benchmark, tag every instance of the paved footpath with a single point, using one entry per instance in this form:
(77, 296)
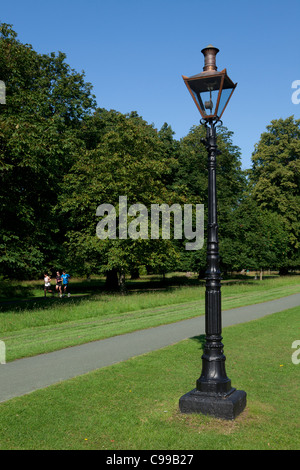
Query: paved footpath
(23, 376)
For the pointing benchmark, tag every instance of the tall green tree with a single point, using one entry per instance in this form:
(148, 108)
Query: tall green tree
(45, 101)
(125, 156)
(192, 179)
(259, 239)
(275, 179)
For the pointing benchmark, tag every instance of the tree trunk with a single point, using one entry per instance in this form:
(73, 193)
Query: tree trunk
(121, 282)
(135, 274)
(112, 280)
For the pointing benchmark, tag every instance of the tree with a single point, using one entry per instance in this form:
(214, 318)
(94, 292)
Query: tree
(275, 179)
(124, 157)
(191, 179)
(45, 102)
(259, 239)
(41, 85)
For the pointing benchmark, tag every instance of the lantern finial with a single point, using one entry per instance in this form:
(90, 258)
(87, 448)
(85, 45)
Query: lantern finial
(210, 53)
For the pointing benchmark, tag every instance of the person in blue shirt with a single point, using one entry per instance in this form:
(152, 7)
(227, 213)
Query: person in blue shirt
(65, 281)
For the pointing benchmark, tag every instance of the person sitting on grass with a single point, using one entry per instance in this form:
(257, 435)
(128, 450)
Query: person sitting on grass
(65, 280)
(47, 286)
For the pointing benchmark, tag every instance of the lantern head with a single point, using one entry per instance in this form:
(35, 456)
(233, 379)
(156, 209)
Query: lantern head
(211, 90)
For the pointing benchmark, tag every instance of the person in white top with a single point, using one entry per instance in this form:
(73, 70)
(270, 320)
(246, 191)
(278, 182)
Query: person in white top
(47, 286)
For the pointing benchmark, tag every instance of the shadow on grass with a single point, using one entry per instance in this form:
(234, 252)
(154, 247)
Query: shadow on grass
(200, 340)
(13, 290)
(18, 306)
(18, 297)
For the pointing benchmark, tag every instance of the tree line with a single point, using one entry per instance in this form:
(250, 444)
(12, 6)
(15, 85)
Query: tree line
(62, 156)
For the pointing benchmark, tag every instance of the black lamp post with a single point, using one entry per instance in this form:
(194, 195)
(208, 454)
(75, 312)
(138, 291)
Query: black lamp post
(211, 91)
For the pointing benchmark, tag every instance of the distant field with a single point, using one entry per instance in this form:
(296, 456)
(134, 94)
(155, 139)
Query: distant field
(40, 325)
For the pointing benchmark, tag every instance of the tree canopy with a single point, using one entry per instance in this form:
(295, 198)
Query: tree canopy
(62, 157)
(45, 101)
(126, 157)
(275, 178)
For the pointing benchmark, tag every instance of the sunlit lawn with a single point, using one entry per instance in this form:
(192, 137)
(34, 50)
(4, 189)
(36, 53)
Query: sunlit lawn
(134, 405)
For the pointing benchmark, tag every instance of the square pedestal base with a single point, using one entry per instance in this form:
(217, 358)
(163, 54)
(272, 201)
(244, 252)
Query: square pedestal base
(224, 407)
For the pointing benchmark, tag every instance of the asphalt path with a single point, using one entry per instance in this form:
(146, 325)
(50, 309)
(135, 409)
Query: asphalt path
(24, 376)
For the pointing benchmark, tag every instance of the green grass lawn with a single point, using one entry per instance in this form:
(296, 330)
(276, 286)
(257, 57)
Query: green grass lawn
(134, 405)
(43, 325)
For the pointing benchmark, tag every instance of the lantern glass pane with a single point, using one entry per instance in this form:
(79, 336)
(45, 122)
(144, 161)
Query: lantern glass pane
(223, 100)
(206, 90)
(207, 101)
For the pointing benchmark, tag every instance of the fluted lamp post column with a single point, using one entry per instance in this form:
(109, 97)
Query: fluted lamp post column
(211, 91)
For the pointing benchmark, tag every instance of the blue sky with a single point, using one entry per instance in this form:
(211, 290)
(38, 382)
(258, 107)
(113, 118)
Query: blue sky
(134, 53)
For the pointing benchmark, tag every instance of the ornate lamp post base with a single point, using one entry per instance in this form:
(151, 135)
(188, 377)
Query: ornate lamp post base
(227, 406)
